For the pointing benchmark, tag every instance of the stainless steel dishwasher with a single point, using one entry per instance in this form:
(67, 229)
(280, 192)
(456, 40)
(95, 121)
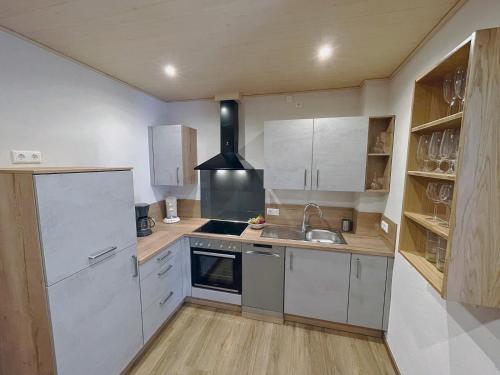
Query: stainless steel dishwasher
(263, 269)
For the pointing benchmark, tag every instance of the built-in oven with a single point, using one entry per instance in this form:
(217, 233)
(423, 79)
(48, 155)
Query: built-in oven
(216, 265)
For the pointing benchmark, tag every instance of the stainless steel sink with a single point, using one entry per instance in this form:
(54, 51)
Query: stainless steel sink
(324, 236)
(312, 235)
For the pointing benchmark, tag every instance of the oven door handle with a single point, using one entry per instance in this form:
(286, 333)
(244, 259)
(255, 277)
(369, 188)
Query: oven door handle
(217, 255)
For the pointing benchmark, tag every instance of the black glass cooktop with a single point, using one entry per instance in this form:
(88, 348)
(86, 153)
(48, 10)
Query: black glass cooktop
(234, 228)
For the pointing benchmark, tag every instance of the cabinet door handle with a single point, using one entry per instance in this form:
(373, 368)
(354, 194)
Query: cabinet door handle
(136, 266)
(358, 268)
(305, 178)
(291, 262)
(94, 258)
(161, 273)
(317, 179)
(164, 300)
(256, 252)
(162, 258)
(177, 173)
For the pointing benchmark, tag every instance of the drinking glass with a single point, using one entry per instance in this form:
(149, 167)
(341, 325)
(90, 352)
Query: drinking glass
(435, 150)
(423, 160)
(441, 254)
(449, 93)
(432, 245)
(445, 197)
(449, 146)
(459, 86)
(432, 192)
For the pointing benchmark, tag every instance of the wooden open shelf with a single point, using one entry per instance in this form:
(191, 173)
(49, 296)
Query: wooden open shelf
(448, 122)
(427, 224)
(379, 163)
(425, 268)
(433, 175)
(472, 270)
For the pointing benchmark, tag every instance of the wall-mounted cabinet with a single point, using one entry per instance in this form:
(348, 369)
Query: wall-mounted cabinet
(173, 155)
(450, 220)
(327, 154)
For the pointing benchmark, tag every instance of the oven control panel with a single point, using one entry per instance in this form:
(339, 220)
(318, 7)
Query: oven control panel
(204, 243)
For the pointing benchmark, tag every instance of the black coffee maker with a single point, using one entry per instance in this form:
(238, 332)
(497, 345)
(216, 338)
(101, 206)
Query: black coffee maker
(143, 222)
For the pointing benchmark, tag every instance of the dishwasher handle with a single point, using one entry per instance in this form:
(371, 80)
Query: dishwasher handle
(256, 252)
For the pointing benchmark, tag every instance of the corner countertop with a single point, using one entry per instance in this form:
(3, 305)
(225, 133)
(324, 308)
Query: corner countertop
(54, 170)
(166, 234)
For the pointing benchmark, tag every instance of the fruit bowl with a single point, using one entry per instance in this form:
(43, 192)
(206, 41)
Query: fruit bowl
(257, 222)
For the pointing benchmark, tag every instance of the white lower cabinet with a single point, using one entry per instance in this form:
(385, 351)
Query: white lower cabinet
(317, 284)
(162, 288)
(96, 317)
(367, 291)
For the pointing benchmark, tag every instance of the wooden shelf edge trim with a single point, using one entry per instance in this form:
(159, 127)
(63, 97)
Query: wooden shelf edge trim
(434, 228)
(438, 176)
(434, 278)
(448, 120)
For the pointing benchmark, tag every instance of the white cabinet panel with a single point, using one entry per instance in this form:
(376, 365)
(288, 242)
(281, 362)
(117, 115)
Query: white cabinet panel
(96, 317)
(339, 154)
(81, 215)
(288, 154)
(367, 290)
(186, 266)
(388, 292)
(317, 284)
(166, 148)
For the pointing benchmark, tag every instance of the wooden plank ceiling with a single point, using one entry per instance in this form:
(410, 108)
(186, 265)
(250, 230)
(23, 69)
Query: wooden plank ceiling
(218, 46)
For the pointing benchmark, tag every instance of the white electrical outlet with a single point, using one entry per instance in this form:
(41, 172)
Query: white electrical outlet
(273, 211)
(384, 226)
(26, 157)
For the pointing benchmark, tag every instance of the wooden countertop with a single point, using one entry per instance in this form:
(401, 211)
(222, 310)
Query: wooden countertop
(166, 234)
(51, 170)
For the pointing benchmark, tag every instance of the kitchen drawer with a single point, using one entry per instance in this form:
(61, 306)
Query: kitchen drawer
(161, 309)
(156, 263)
(82, 215)
(158, 283)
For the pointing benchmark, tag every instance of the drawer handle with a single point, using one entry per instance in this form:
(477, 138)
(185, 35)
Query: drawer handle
(162, 258)
(358, 268)
(161, 273)
(164, 300)
(95, 257)
(291, 262)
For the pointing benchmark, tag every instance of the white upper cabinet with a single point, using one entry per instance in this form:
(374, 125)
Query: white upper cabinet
(339, 153)
(327, 154)
(84, 217)
(288, 154)
(173, 155)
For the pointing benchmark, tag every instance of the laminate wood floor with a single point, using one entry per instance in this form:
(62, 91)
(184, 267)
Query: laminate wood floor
(208, 341)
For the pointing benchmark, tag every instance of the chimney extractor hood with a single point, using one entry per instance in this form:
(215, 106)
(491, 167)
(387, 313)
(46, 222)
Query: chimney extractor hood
(228, 157)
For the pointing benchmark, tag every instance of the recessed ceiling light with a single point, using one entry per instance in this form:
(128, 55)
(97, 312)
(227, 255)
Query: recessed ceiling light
(325, 52)
(170, 70)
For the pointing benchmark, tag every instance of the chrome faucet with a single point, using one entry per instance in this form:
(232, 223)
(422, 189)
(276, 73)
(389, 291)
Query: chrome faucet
(306, 217)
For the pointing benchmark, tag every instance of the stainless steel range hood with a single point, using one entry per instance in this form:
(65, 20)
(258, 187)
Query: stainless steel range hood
(228, 158)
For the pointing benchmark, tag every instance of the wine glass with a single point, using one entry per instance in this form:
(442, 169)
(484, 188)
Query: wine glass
(459, 81)
(423, 160)
(449, 93)
(445, 197)
(448, 148)
(432, 192)
(435, 150)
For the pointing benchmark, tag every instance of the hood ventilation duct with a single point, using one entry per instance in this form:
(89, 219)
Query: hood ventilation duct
(228, 158)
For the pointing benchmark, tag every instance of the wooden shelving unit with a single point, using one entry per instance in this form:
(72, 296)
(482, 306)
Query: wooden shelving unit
(379, 163)
(472, 268)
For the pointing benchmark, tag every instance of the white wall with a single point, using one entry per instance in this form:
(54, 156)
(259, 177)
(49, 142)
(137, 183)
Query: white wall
(73, 115)
(426, 334)
(254, 110)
